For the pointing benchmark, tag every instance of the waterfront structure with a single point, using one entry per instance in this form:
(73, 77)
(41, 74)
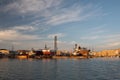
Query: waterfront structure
(22, 54)
(4, 51)
(107, 53)
(78, 51)
(31, 53)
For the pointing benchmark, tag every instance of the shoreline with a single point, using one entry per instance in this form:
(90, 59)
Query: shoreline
(44, 57)
(69, 57)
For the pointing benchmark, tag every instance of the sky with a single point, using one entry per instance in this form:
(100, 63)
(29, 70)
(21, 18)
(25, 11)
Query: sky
(27, 24)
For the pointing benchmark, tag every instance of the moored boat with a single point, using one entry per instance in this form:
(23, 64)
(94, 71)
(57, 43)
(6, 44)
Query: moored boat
(22, 56)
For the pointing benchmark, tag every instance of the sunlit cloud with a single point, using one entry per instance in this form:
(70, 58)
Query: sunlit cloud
(14, 35)
(109, 41)
(27, 19)
(113, 44)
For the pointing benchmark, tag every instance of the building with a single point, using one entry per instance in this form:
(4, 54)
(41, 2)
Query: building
(4, 51)
(107, 53)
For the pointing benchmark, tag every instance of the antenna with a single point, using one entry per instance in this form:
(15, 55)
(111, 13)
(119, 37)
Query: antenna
(12, 47)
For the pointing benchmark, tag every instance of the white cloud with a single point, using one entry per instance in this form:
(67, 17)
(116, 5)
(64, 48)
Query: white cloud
(113, 44)
(117, 35)
(43, 14)
(98, 29)
(14, 35)
(94, 37)
(31, 6)
(110, 41)
(57, 34)
(71, 14)
(68, 15)
(26, 28)
(16, 43)
(98, 32)
(52, 11)
(73, 42)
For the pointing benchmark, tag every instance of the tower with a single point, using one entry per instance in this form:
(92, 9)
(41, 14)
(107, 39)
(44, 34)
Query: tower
(55, 43)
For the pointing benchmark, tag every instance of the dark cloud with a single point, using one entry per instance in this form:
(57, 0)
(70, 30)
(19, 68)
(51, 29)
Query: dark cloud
(6, 2)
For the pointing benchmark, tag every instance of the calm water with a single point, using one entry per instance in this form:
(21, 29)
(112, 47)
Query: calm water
(60, 69)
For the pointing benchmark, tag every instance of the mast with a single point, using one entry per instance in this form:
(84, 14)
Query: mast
(12, 48)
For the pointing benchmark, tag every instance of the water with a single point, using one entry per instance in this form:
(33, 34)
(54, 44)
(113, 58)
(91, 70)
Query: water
(60, 69)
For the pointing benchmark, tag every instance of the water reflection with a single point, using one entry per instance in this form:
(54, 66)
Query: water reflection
(60, 69)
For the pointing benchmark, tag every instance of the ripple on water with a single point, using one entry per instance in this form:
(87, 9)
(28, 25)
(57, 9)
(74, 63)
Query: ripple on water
(60, 69)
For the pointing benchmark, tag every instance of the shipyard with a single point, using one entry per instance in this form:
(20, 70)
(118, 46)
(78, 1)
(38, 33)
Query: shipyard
(77, 53)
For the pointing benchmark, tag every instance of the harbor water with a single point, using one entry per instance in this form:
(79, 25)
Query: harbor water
(60, 69)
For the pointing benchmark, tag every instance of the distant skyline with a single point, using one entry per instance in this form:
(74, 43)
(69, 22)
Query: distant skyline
(27, 24)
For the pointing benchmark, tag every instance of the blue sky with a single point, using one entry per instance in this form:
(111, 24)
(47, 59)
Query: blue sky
(30, 24)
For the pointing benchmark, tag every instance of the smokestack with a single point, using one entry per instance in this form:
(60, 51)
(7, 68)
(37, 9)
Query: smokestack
(55, 43)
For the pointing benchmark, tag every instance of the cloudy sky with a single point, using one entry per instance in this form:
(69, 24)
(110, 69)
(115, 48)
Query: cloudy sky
(27, 24)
